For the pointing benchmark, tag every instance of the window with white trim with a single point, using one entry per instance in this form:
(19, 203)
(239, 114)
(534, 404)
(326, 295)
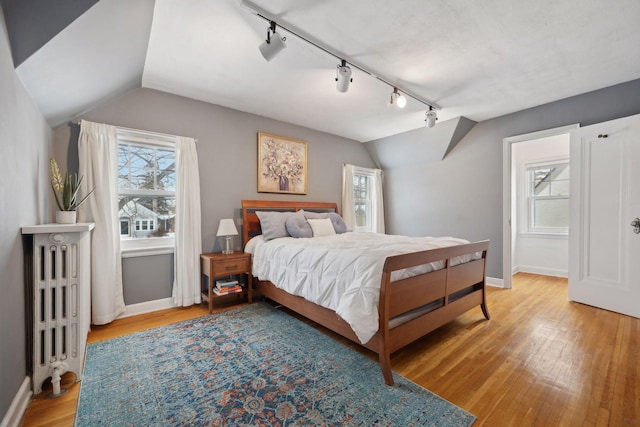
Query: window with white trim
(548, 185)
(146, 191)
(362, 189)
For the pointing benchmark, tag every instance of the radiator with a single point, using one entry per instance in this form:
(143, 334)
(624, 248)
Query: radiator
(61, 301)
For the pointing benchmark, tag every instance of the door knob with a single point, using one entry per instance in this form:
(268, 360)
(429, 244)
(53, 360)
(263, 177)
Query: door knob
(636, 225)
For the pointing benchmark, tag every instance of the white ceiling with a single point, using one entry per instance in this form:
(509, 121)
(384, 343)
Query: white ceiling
(473, 59)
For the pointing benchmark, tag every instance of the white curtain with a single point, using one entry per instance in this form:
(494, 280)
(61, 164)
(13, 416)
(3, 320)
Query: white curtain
(348, 202)
(97, 152)
(377, 204)
(188, 237)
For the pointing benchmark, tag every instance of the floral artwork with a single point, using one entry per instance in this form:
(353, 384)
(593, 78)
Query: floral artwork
(282, 164)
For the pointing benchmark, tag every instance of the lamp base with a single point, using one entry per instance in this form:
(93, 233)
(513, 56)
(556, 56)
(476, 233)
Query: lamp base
(227, 246)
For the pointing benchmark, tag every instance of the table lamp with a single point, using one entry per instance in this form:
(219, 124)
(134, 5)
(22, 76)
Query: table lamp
(227, 229)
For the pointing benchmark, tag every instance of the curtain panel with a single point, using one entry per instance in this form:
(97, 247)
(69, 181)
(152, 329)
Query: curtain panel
(348, 203)
(98, 152)
(377, 202)
(188, 233)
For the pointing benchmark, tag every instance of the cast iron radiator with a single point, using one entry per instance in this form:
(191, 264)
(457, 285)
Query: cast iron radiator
(60, 263)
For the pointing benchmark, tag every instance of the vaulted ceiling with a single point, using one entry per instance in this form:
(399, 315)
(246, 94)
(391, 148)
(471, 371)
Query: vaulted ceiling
(473, 59)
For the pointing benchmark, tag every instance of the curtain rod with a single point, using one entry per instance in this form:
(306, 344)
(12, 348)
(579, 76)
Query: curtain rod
(140, 131)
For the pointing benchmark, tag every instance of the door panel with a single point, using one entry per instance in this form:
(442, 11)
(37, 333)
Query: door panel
(604, 251)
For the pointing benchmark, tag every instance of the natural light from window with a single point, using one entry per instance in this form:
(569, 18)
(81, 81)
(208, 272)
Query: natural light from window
(549, 198)
(362, 200)
(146, 193)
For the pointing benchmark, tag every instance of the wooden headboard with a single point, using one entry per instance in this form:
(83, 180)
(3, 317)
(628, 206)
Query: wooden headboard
(251, 223)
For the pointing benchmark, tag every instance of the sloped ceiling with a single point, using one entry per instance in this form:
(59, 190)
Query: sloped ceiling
(409, 148)
(473, 59)
(98, 56)
(43, 19)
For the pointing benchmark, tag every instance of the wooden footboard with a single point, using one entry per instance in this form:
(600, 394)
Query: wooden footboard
(446, 293)
(408, 308)
(442, 295)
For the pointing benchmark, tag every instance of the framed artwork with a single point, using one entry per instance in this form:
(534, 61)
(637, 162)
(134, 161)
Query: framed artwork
(282, 164)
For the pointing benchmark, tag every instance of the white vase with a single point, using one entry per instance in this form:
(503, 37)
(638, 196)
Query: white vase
(66, 217)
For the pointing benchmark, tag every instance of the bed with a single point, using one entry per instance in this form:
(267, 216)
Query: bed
(408, 306)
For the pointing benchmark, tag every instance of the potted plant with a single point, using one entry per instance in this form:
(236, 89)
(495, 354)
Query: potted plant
(65, 190)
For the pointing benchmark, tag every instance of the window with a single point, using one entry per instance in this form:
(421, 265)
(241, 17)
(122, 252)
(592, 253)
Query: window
(362, 204)
(549, 197)
(362, 199)
(146, 191)
(124, 227)
(145, 224)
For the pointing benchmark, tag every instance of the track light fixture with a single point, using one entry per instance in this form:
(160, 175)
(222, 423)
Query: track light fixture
(398, 99)
(273, 44)
(343, 76)
(430, 117)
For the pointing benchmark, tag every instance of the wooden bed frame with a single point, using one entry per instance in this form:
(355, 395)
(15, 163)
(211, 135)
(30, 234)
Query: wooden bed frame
(459, 288)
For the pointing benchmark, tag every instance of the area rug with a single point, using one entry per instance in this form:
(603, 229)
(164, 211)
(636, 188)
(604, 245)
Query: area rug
(253, 365)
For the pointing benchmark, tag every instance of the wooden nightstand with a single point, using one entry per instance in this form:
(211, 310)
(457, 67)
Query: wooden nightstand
(215, 265)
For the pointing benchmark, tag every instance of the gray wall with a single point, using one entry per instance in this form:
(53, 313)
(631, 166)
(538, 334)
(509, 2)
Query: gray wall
(155, 283)
(462, 194)
(24, 144)
(227, 157)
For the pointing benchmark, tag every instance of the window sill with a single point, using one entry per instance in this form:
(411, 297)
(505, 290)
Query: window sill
(146, 247)
(137, 252)
(544, 235)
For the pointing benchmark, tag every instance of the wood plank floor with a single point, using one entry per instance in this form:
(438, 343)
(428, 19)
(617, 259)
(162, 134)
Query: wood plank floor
(540, 361)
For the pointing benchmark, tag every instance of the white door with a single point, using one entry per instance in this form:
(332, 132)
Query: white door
(604, 246)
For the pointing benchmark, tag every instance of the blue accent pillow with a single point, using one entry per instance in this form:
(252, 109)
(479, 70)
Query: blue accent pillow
(272, 224)
(298, 227)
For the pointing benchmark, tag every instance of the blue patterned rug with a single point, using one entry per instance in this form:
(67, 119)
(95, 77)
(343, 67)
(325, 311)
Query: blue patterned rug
(253, 365)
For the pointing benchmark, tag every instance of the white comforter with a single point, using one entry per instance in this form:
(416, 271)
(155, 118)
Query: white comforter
(340, 272)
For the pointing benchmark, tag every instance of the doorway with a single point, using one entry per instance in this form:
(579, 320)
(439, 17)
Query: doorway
(532, 242)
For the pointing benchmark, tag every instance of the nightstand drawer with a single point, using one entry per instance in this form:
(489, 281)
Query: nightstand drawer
(230, 266)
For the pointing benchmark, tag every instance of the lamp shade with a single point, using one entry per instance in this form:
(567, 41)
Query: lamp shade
(227, 228)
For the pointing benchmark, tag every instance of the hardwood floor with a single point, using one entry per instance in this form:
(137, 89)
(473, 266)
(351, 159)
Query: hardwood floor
(540, 361)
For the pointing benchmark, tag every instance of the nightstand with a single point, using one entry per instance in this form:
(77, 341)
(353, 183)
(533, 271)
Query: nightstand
(216, 265)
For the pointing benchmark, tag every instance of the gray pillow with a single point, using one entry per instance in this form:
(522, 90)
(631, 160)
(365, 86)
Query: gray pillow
(297, 226)
(338, 223)
(336, 220)
(273, 224)
(314, 215)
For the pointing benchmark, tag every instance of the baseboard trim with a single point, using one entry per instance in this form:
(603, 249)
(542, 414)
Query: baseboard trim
(543, 271)
(495, 282)
(147, 307)
(18, 406)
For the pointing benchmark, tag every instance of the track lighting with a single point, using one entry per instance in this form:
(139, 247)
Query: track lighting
(343, 76)
(398, 99)
(430, 117)
(273, 44)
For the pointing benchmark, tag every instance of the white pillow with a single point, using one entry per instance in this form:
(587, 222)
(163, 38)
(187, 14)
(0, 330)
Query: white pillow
(321, 227)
